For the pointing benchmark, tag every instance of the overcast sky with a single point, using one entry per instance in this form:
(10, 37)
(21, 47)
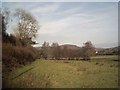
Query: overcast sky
(73, 22)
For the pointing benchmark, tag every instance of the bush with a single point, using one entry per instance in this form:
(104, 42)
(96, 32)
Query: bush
(17, 55)
(88, 50)
(8, 55)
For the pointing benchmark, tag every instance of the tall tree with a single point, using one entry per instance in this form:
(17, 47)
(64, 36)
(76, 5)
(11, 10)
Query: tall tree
(56, 50)
(27, 25)
(0, 25)
(44, 50)
(5, 16)
(88, 50)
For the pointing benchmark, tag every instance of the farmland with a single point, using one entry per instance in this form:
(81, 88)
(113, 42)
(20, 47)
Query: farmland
(99, 72)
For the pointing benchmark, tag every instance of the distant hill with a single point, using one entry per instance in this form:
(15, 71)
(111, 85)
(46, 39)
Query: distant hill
(108, 51)
(99, 49)
(114, 48)
(69, 46)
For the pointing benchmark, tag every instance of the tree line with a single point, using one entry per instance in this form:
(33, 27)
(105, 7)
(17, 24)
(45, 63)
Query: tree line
(55, 51)
(17, 48)
(109, 51)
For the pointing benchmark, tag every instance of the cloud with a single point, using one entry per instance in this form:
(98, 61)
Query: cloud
(64, 24)
(74, 18)
(98, 26)
(68, 11)
(46, 8)
(52, 27)
(60, 1)
(74, 22)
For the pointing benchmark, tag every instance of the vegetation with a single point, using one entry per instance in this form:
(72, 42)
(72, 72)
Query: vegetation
(73, 52)
(88, 50)
(44, 50)
(100, 72)
(27, 26)
(26, 29)
(55, 65)
(17, 51)
(109, 51)
(14, 56)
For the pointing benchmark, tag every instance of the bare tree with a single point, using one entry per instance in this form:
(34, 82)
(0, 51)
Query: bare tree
(27, 25)
(88, 50)
(45, 50)
(65, 52)
(56, 50)
(5, 16)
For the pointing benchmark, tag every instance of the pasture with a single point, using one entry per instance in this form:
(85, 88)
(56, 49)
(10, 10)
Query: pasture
(100, 72)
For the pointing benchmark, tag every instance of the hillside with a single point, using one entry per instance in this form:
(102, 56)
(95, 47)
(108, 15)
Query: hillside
(70, 46)
(108, 51)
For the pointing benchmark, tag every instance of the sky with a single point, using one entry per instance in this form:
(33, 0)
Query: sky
(73, 22)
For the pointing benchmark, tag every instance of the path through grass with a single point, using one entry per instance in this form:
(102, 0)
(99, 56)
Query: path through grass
(66, 74)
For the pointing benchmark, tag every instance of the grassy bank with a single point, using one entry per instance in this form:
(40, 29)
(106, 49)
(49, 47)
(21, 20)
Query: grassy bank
(100, 72)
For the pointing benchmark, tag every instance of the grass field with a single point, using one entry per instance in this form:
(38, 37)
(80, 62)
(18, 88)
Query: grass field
(100, 72)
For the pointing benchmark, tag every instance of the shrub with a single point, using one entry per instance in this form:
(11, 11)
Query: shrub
(14, 55)
(88, 50)
(8, 55)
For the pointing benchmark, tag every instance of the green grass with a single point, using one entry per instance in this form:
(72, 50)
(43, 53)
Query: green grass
(100, 72)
